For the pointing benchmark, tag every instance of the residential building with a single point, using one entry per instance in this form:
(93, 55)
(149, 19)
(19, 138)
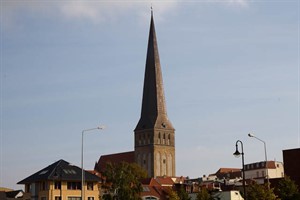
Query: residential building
(291, 160)
(13, 194)
(259, 171)
(61, 181)
(228, 195)
(158, 188)
(154, 135)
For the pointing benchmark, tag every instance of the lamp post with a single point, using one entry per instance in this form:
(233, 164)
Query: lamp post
(82, 171)
(266, 159)
(237, 154)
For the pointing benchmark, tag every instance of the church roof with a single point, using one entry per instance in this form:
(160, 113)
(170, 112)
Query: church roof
(154, 113)
(114, 158)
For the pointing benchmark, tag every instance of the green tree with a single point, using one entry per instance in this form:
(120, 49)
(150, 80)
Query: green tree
(287, 190)
(172, 194)
(124, 180)
(182, 194)
(260, 192)
(204, 195)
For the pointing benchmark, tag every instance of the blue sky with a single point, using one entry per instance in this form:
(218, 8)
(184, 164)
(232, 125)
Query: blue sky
(229, 67)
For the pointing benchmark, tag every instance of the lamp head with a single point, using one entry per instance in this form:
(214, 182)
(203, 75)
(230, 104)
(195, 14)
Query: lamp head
(101, 127)
(250, 135)
(237, 153)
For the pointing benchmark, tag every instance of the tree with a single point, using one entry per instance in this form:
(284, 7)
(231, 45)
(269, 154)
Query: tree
(287, 190)
(172, 194)
(204, 195)
(124, 178)
(256, 191)
(182, 194)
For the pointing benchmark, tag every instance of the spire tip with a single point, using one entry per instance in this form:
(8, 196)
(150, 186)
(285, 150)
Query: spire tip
(151, 10)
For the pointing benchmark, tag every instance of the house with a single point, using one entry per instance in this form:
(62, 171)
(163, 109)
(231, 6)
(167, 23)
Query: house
(260, 171)
(228, 195)
(158, 188)
(61, 181)
(291, 160)
(13, 194)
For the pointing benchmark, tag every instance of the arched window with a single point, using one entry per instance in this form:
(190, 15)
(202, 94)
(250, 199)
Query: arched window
(158, 164)
(149, 163)
(144, 161)
(170, 165)
(169, 139)
(158, 140)
(139, 160)
(140, 140)
(164, 165)
(148, 139)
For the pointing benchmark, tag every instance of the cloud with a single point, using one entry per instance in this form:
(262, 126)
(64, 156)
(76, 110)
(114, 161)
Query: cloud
(94, 11)
(243, 3)
(240, 3)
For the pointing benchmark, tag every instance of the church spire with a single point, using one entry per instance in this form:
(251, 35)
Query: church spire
(154, 113)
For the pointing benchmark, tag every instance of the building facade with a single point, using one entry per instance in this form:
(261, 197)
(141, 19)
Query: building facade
(260, 171)
(154, 135)
(291, 160)
(61, 181)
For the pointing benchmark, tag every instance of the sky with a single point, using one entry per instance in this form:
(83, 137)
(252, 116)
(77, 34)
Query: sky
(229, 67)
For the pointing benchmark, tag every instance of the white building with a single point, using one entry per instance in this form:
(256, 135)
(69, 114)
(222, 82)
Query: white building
(228, 195)
(261, 170)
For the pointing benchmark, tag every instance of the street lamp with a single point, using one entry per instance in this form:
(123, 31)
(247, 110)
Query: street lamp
(266, 160)
(237, 154)
(82, 171)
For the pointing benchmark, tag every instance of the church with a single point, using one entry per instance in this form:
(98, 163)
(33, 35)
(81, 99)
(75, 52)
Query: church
(154, 134)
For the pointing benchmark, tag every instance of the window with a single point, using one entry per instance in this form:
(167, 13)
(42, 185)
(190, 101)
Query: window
(90, 198)
(169, 138)
(43, 185)
(140, 140)
(257, 174)
(57, 185)
(57, 198)
(263, 173)
(151, 198)
(27, 188)
(90, 186)
(158, 141)
(74, 198)
(74, 185)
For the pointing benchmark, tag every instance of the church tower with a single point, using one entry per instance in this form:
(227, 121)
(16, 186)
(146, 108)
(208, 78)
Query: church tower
(154, 142)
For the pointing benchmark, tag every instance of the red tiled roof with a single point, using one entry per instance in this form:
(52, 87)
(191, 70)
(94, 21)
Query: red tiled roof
(226, 170)
(165, 181)
(114, 158)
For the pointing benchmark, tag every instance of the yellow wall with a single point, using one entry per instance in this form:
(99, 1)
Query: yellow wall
(51, 193)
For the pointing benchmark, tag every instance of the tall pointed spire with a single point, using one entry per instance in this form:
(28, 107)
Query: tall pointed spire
(153, 114)
(154, 135)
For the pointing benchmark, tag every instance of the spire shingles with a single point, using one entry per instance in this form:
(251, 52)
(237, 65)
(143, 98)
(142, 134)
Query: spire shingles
(153, 114)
